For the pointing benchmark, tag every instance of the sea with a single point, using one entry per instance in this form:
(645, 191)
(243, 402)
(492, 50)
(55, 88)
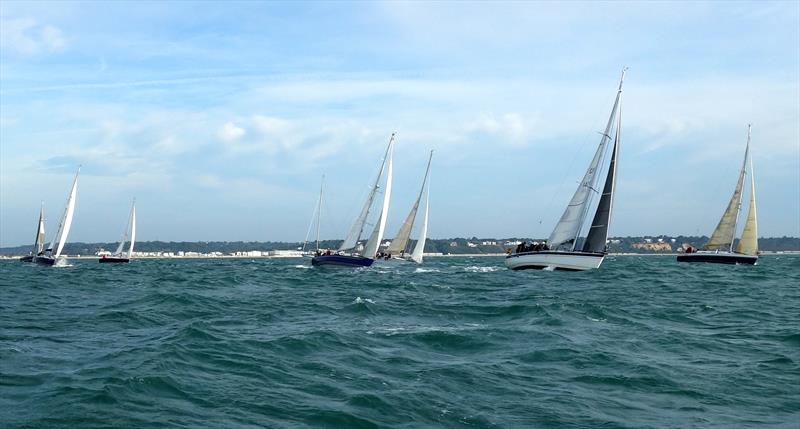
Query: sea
(457, 342)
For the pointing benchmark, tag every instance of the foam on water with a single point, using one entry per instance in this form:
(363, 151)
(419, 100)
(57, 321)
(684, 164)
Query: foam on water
(457, 342)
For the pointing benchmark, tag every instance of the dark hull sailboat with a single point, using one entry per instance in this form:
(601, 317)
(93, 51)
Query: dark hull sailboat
(719, 258)
(28, 258)
(342, 260)
(45, 260)
(52, 255)
(347, 255)
(113, 260)
(720, 248)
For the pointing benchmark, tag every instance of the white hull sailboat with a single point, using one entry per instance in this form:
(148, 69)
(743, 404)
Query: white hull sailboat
(129, 234)
(397, 248)
(719, 249)
(52, 255)
(38, 246)
(561, 252)
(347, 254)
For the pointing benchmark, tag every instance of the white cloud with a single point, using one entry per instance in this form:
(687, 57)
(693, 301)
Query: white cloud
(28, 37)
(230, 132)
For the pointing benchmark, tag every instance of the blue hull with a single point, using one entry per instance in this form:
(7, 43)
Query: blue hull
(342, 260)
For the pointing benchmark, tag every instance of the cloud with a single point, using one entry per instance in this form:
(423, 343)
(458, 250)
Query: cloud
(26, 36)
(230, 132)
(509, 128)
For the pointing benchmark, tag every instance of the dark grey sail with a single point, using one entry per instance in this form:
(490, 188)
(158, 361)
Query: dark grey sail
(598, 232)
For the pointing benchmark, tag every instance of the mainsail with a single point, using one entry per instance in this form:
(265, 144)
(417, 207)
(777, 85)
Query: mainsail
(569, 226)
(66, 220)
(748, 244)
(315, 216)
(398, 245)
(722, 237)
(374, 241)
(133, 229)
(39, 243)
(129, 233)
(598, 231)
(358, 226)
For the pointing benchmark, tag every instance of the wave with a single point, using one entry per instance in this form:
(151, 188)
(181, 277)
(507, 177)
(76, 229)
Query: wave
(476, 269)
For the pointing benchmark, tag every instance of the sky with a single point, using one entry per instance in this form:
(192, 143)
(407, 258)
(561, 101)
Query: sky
(221, 118)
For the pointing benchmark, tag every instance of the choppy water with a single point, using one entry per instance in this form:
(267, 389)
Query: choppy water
(457, 342)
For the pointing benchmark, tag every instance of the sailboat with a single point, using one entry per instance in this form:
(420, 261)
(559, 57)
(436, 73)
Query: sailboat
(315, 219)
(719, 249)
(397, 248)
(128, 234)
(561, 251)
(48, 256)
(347, 255)
(38, 245)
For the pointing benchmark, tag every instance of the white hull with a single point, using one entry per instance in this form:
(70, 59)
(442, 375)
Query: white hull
(551, 260)
(393, 260)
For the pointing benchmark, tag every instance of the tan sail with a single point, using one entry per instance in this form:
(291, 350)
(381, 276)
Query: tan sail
(748, 244)
(722, 237)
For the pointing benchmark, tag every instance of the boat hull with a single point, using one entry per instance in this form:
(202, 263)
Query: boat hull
(44, 260)
(28, 258)
(342, 261)
(113, 260)
(719, 258)
(554, 260)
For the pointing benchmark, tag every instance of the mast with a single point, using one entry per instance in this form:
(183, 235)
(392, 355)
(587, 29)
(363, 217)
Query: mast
(723, 236)
(128, 227)
(419, 248)
(374, 242)
(400, 243)
(66, 220)
(39, 243)
(741, 194)
(748, 244)
(598, 231)
(358, 226)
(319, 208)
(568, 228)
(133, 228)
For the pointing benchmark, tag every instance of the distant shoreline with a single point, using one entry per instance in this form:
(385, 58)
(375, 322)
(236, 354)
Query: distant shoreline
(460, 255)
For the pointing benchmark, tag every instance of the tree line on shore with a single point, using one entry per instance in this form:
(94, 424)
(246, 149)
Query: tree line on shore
(474, 245)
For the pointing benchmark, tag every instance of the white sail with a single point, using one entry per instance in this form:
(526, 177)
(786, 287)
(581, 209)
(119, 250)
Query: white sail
(748, 244)
(419, 249)
(724, 233)
(315, 216)
(358, 226)
(129, 233)
(39, 246)
(133, 229)
(569, 226)
(66, 220)
(377, 234)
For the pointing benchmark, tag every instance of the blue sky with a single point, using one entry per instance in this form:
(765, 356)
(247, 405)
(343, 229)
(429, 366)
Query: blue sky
(220, 118)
